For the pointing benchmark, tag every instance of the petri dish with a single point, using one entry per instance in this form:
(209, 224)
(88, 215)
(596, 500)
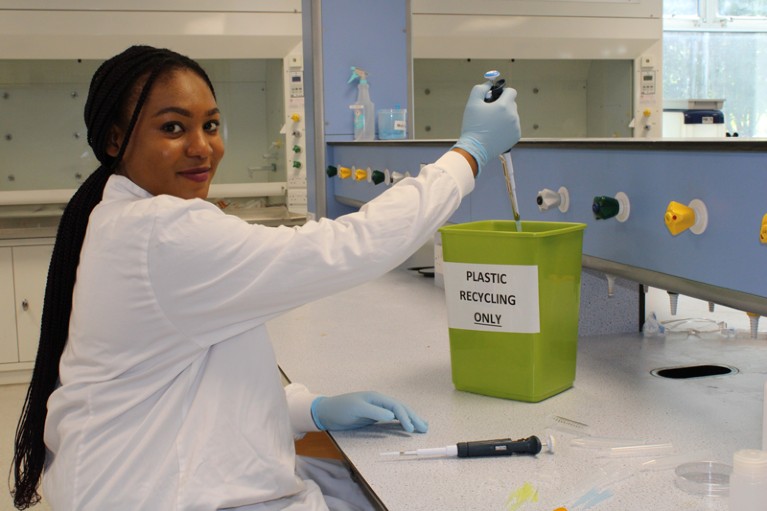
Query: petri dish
(707, 478)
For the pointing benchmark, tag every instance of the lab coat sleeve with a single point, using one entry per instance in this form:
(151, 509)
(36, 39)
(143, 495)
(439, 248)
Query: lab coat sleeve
(300, 409)
(217, 276)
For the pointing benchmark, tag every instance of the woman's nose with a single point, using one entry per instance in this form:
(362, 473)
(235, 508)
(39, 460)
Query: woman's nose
(199, 144)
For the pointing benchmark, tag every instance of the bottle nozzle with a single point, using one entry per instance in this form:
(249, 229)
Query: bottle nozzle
(358, 73)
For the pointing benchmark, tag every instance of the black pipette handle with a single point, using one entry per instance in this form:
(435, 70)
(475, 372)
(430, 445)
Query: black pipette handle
(500, 447)
(495, 91)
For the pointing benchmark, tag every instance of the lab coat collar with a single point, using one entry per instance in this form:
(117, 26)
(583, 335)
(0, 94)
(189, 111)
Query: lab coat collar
(121, 188)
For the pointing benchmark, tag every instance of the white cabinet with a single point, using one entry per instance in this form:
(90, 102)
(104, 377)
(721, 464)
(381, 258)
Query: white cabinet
(23, 274)
(9, 350)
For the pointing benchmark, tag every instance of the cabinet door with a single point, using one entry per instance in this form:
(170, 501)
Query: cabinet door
(30, 271)
(9, 351)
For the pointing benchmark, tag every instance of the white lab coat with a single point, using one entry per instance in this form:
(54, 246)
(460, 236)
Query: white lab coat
(170, 396)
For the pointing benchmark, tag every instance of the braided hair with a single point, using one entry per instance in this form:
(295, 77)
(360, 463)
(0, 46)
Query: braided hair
(118, 82)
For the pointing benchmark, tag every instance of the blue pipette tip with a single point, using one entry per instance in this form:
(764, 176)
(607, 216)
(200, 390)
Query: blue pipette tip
(492, 75)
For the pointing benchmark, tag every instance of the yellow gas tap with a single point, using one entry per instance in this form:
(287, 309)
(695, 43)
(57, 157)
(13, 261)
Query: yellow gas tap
(360, 174)
(344, 172)
(679, 218)
(763, 231)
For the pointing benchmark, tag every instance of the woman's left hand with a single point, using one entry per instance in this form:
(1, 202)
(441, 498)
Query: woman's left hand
(360, 409)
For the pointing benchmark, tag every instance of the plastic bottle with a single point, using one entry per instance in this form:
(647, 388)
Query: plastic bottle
(364, 109)
(764, 419)
(748, 482)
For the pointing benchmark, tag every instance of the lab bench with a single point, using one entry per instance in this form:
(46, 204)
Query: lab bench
(391, 335)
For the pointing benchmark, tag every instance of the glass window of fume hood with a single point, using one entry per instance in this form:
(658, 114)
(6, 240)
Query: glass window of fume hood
(556, 98)
(680, 7)
(43, 142)
(718, 53)
(744, 8)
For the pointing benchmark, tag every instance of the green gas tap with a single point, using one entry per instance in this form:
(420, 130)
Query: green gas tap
(605, 207)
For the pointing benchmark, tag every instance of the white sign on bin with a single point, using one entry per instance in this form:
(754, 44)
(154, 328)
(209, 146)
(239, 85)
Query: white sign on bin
(492, 297)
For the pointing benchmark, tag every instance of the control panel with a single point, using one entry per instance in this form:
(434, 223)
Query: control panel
(295, 131)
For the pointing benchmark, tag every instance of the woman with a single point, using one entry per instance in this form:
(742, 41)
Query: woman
(155, 385)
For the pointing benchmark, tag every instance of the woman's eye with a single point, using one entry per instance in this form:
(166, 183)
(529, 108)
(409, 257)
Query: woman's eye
(172, 127)
(212, 125)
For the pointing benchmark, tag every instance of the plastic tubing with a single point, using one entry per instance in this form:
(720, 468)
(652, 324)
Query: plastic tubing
(640, 450)
(595, 442)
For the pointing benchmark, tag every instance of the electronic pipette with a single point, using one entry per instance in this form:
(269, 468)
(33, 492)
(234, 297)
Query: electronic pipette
(500, 447)
(508, 169)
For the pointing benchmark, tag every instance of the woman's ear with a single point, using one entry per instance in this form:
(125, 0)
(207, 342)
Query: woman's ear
(114, 141)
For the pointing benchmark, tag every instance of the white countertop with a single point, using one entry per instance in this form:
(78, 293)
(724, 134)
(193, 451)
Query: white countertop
(391, 336)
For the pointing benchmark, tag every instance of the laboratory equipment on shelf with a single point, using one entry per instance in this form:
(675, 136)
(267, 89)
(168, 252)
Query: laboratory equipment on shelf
(364, 109)
(482, 448)
(694, 118)
(605, 207)
(392, 123)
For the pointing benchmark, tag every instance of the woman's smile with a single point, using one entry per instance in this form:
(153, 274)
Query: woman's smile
(198, 175)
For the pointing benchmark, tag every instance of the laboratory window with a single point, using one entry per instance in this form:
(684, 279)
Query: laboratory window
(716, 49)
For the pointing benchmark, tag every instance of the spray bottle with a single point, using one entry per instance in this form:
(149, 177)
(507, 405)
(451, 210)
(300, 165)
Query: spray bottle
(364, 110)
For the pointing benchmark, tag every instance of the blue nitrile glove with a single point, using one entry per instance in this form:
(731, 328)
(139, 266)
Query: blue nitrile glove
(360, 409)
(489, 129)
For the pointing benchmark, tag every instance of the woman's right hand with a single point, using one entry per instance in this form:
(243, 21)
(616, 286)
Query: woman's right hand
(489, 129)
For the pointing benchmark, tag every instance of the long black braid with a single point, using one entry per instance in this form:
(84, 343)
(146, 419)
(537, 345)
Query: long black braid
(113, 87)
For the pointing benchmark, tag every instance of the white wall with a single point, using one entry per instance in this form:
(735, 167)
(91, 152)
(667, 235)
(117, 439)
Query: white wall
(92, 29)
(541, 29)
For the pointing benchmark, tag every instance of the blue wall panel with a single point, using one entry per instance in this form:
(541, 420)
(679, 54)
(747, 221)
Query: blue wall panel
(730, 178)
(369, 34)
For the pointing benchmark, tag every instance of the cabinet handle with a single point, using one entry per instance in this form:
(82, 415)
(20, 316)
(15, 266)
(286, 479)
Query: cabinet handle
(25, 304)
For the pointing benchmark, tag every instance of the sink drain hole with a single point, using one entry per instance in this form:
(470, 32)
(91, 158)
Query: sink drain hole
(699, 371)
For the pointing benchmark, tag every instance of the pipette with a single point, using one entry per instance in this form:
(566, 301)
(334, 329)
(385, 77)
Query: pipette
(508, 173)
(508, 169)
(500, 447)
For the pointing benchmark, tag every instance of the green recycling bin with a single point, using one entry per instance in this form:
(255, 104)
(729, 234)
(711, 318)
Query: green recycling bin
(513, 303)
